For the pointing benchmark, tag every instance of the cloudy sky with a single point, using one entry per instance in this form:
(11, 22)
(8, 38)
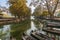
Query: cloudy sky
(4, 4)
(32, 8)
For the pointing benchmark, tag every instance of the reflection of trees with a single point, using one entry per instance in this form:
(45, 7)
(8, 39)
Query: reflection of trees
(19, 28)
(4, 32)
(1, 31)
(37, 23)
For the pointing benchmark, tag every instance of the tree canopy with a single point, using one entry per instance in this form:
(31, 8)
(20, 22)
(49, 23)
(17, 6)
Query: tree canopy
(39, 12)
(50, 5)
(19, 8)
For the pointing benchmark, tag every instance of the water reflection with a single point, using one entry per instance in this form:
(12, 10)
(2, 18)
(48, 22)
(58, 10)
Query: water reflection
(32, 28)
(33, 25)
(5, 32)
(32, 17)
(16, 30)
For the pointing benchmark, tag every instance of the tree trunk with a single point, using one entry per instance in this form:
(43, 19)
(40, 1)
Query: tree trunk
(55, 6)
(51, 16)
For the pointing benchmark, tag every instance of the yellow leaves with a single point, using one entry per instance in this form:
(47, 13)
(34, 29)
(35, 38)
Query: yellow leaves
(19, 8)
(25, 8)
(54, 1)
(45, 13)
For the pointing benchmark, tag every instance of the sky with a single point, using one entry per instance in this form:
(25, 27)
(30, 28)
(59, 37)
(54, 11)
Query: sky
(3, 3)
(32, 7)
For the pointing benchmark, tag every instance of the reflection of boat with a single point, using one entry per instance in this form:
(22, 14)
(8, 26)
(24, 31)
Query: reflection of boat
(40, 36)
(52, 28)
(57, 32)
(56, 19)
(27, 37)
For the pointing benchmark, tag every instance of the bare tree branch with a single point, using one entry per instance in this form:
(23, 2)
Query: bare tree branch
(55, 6)
(48, 7)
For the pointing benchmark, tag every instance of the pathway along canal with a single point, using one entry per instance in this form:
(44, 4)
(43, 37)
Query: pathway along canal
(15, 31)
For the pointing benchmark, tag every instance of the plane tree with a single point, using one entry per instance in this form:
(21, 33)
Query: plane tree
(50, 5)
(19, 8)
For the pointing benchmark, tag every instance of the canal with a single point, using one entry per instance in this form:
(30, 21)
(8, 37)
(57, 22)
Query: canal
(16, 30)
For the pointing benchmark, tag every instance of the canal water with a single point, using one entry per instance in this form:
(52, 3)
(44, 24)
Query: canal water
(16, 30)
